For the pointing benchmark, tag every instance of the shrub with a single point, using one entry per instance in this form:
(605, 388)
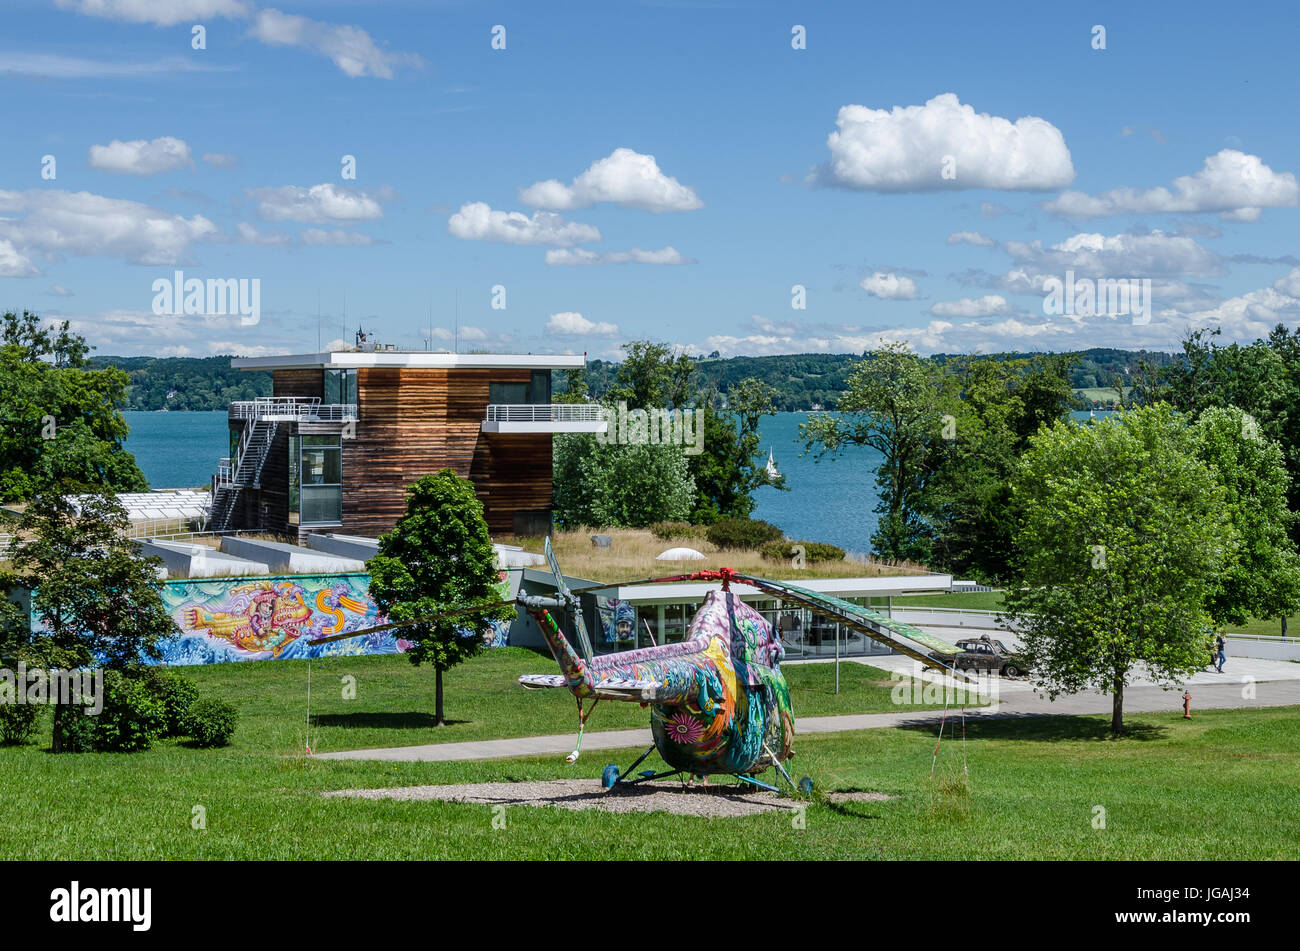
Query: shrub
(75, 729)
(176, 693)
(210, 722)
(17, 722)
(742, 533)
(813, 552)
(666, 530)
(132, 718)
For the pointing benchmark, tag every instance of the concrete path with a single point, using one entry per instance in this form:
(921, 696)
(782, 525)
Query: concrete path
(1022, 703)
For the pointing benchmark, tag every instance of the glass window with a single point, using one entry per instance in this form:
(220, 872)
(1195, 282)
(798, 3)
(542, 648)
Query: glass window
(315, 479)
(540, 386)
(507, 392)
(340, 386)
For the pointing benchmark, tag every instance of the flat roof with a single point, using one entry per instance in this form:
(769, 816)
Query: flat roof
(413, 359)
(694, 592)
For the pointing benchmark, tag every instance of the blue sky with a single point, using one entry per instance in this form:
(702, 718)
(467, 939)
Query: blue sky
(687, 179)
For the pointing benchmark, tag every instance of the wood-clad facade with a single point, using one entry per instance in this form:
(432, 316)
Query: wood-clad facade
(410, 421)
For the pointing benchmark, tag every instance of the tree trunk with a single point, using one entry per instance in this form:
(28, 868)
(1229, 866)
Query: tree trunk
(437, 704)
(1117, 707)
(56, 742)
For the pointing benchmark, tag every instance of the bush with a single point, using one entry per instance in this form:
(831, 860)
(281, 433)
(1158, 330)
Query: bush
(176, 694)
(211, 722)
(132, 718)
(75, 729)
(17, 722)
(742, 533)
(666, 530)
(813, 552)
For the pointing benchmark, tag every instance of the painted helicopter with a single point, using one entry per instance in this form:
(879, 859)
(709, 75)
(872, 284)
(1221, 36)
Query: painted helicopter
(719, 704)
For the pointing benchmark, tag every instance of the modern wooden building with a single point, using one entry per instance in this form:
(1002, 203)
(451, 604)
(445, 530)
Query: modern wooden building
(343, 434)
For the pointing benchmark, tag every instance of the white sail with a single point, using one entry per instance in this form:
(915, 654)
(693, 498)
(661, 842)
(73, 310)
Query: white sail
(772, 471)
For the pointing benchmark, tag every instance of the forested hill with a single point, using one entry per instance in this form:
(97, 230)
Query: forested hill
(801, 380)
(805, 380)
(186, 383)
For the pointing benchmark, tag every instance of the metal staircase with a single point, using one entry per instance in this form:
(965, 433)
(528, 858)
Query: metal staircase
(244, 472)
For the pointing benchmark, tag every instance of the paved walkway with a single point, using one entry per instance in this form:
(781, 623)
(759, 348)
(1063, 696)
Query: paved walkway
(1020, 703)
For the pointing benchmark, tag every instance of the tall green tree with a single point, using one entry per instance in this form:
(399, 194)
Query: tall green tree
(439, 558)
(612, 485)
(1122, 536)
(97, 603)
(60, 421)
(896, 404)
(730, 466)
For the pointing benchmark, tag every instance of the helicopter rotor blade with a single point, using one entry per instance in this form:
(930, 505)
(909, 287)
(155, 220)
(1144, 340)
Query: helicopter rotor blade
(577, 624)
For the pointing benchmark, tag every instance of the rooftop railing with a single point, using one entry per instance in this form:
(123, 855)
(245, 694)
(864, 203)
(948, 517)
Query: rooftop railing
(302, 409)
(545, 412)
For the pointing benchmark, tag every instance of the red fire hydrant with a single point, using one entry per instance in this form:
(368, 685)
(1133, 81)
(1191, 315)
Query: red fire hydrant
(1187, 705)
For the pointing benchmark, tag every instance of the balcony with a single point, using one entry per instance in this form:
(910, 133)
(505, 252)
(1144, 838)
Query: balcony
(545, 418)
(285, 409)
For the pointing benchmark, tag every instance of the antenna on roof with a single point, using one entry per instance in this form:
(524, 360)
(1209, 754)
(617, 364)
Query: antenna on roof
(456, 335)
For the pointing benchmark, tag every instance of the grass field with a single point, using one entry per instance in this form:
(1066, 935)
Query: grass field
(1224, 785)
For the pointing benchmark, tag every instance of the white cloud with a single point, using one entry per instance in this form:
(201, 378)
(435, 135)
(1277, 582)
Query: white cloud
(138, 157)
(58, 290)
(13, 263)
(82, 223)
(571, 324)
(971, 237)
(905, 149)
(1232, 183)
(351, 48)
(319, 204)
(1289, 284)
(268, 239)
(624, 177)
(166, 13)
(571, 256)
(1155, 254)
(477, 222)
(987, 306)
(890, 286)
(53, 66)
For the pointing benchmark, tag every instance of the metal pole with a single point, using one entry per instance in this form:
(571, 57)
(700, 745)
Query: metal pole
(837, 658)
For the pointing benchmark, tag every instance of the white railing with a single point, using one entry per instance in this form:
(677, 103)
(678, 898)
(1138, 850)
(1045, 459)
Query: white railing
(545, 412)
(303, 409)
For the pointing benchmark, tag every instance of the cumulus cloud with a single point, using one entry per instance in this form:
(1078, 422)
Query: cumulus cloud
(267, 239)
(81, 223)
(1235, 184)
(986, 306)
(573, 256)
(1289, 284)
(350, 48)
(624, 177)
(58, 290)
(319, 204)
(138, 157)
(888, 286)
(13, 263)
(905, 150)
(476, 221)
(971, 237)
(1155, 254)
(571, 324)
(159, 14)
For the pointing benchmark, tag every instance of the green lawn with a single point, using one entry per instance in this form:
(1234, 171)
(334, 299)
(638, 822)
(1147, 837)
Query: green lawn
(1225, 785)
(394, 700)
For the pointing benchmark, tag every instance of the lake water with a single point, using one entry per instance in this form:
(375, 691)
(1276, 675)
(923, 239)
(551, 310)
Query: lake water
(828, 501)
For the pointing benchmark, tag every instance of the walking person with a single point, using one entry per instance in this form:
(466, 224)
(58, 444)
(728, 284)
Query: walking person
(1218, 643)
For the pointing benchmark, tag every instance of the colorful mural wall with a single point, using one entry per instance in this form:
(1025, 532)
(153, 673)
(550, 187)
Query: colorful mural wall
(617, 620)
(270, 618)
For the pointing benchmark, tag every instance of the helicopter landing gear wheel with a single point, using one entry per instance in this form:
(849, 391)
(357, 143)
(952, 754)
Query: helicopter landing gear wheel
(806, 785)
(609, 776)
